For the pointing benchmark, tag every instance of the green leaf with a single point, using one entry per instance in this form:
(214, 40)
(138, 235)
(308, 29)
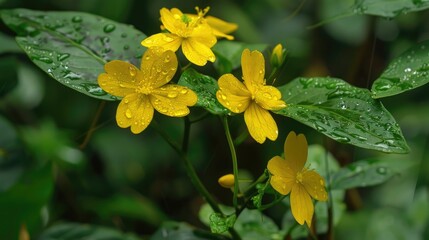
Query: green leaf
(176, 230)
(220, 223)
(23, 203)
(75, 231)
(367, 172)
(228, 54)
(408, 71)
(342, 112)
(205, 87)
(128, 206)
(72, 47)
(389, 8)
(253, 225)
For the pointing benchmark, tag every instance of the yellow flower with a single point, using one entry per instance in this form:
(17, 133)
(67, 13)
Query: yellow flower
(253, 97)
(146, 89)
(289, 175)
(226, 181)
(221, 28)
(192, 33)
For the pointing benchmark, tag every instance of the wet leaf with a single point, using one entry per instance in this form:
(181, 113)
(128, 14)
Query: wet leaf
(389, 8)
(342, 112)
(368, 172)
(75, 231)
(205, 87)
(406, 72)
(252, 224)
(73, 47)
(228, 54)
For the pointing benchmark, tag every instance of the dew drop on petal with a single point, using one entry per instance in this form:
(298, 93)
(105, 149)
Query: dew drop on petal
(133, 71)
(172, 94)
(183, 91)
(128, 113)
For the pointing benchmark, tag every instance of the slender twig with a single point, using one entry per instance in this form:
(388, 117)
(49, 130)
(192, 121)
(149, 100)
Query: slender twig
(93, 124)
(233, 157)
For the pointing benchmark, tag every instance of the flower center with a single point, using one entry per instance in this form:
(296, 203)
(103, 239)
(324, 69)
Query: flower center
(144, 90)
(299, 177)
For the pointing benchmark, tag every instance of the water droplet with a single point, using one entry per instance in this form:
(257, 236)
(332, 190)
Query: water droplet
(184, 91)
(133, 71)
(62, 57)
(167, 59)
(128, 113)
(126, 101)
(407, 70)
(322, 182)
(109, 28)
(45, 59)
(76, 19)
(381, 170)
(124, 35)
(172, 94)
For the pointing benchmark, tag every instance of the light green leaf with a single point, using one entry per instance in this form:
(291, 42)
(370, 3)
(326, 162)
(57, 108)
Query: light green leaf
(342, 112)
(75, 231)
(389, 8)
(406, 72)
(72, 47)
(205, 87)
(367, 172)
(228, 54)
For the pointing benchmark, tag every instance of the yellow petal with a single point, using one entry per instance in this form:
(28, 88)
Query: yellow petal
(121, 78)
(136, 111)
(203, 34)
(221, 28)
(167, 41)
(253, 65)
(279, 167)
(296, 149)
(232, 94)
(197, 52)
(314, 185)
(301, 205)
(172, 20)
(173, 100)
(282, 185)
(260, 123)
(158, 67)
(269, 98)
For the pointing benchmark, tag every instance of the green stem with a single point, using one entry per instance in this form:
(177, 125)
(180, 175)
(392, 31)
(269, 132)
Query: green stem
(190, 170)
(233, 157)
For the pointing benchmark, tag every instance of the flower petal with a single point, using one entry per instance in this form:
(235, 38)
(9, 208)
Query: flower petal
(121, 78)
(269, 98)
(203, 34)
(233, 94)
(314, 185)
(282, 185)
(279, 167)
(173, 100)
(158, 67)
(253, 65)
(167, 41)
(171, 19)
(136, 111)
(260, 123)
(301, 205)
(197, 52)
(296, 149)
(221, 28)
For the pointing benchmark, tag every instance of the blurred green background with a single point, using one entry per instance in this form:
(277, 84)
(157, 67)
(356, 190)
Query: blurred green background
(134, 183)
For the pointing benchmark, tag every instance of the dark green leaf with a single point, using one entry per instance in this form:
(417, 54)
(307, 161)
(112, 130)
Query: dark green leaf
(73, 47)
(366, 173)
(12, 155)
(342, 112)
(389, 8)
(9, 76)
(253, 225)
(178, 231)
(408, 71)
(205, 87)
(228, 54)
(74, 231)
(22, 203)
(128, 206)
(8, 45)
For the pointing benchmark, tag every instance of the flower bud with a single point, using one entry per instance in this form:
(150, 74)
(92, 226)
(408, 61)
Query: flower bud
(278, 56)
(226, 181)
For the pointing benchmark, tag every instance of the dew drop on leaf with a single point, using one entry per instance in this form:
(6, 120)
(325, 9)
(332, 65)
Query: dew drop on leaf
(109, 28)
